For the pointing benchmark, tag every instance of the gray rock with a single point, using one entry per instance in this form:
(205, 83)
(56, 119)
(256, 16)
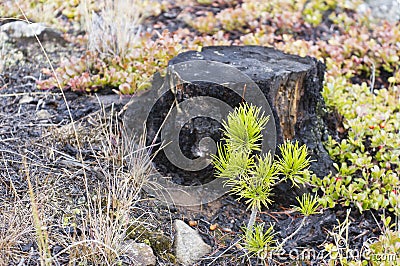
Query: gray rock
(382, 9)
(43, 115)
(189, 246)
(26, 99)
(22, 30)
(139, 253)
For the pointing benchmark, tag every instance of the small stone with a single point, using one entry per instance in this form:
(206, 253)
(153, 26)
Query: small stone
(21, 29)
(27, 247)
(189, 246)
(26, 99)
(43, 115)
(139, 253)
(226, 230)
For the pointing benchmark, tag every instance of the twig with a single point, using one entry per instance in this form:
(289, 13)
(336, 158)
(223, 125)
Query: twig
(226, 250)
(293, 234)
(28, 93)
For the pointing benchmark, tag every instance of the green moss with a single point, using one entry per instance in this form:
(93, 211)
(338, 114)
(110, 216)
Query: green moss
(157, 240)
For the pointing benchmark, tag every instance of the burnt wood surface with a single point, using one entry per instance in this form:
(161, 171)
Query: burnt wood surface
(292, 86)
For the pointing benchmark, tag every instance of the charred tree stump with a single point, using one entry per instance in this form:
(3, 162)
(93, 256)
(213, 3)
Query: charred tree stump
(291, 84)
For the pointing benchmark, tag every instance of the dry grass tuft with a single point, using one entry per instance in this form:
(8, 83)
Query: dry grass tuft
(15, 229)
(116, 28)
(55, 223)
(111, 203)
(59, 226)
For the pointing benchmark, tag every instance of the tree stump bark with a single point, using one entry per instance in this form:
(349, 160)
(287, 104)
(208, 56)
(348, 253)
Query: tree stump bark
(291, 84)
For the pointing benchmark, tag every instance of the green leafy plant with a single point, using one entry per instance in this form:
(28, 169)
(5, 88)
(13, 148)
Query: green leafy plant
(249, 16)
(386, 250)
(126, 75)
(367, 160)
(50, 12)
(119, 56)
(315, 11)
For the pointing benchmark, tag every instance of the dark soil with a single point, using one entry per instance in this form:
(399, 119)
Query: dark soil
(24, 133)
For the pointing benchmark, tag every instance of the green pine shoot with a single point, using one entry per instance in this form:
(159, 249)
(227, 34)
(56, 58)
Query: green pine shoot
(243, 129)
(258, 242)
(294, 162)
(308, 204)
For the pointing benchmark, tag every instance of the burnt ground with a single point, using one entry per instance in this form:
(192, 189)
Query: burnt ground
(35, 127)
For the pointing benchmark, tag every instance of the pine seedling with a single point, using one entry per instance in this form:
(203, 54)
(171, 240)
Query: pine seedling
(252, 177)
(236, 162)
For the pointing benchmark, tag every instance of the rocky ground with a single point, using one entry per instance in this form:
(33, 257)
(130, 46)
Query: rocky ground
(35, 130)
